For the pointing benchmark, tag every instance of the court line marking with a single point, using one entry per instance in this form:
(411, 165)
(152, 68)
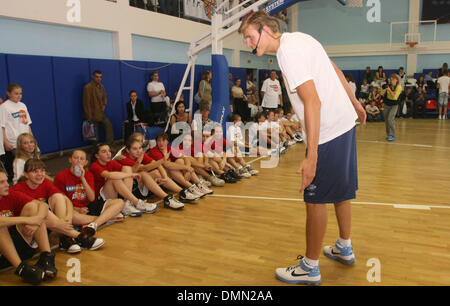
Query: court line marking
(395, 205)
(404, 144)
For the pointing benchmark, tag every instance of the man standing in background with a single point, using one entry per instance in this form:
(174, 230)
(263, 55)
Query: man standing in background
(271, 92)
(94, 105)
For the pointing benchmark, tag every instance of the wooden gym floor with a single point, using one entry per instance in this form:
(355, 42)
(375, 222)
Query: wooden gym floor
(238, 236)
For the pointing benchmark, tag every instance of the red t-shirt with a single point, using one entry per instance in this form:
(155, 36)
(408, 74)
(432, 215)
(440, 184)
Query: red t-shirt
(196, 148)
(72, 187)
(41, 193)
(128, 161)
(97, 169)
(12, 204)
(225, 144)
(156, 154)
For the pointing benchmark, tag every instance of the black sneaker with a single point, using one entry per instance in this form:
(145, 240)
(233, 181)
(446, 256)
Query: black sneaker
(47, 263)
(69, 245)
(234, 175)
(88, 242)
(227, 178)
(30, 274)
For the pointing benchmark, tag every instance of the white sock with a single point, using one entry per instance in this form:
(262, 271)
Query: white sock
(310, 262)
(345, 242)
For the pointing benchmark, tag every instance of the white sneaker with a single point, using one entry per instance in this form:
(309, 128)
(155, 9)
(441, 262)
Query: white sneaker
(215, 181)
(186, 196)
(196, 191)
(243, 172)
(205, 183)
(130, 210)
(342, 254)
(204, 189)
(291, 142)
(145, 207)
(299, 274)
(251, 170)
(172, 203)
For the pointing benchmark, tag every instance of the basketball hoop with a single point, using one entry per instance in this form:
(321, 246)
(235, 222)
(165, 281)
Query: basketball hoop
(411, 44)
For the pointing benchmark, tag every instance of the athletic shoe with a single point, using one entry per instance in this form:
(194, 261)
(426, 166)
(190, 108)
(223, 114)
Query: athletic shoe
(298, 138)
(145, 207)
(172, 203)
(186, 196)
(234, 174)
(118, 218)
(69, 245)
(196, 191)
(251, 170)
(227, 178)
(205, 183)
(243, 172)
(86, 240)
(47, 263)
(215, 181)
(291, 142)
(30, 274)
(342, 254)
(390, 138)
(130, 210)
(299, 274)
(204, 189)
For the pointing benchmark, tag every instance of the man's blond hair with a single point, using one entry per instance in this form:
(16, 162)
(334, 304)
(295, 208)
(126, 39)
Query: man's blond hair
(259, 19)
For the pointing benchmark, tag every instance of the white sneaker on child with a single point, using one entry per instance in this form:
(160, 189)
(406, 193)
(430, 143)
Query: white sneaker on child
(130, 210)
(145, 207)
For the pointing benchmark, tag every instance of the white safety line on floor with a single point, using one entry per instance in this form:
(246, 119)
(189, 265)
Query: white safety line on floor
(404, 144)
(395, 205)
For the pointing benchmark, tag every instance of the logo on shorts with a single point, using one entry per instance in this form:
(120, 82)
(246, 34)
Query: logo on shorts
(310, 190)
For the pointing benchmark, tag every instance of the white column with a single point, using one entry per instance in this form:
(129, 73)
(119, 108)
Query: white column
(414, 17)
(123, 45)
(293, 18)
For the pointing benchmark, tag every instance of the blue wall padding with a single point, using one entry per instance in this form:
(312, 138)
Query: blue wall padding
(134, 76)
(3, 76)
(34, 74)
(221, 90)
(70, 76)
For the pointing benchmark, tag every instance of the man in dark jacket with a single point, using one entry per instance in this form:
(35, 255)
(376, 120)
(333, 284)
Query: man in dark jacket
(136, 113)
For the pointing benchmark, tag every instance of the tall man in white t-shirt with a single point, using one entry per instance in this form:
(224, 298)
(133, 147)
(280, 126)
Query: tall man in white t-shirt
(271, 92)
(327, 109)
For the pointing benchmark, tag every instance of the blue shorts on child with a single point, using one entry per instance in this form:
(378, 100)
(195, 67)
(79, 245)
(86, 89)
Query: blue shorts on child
(336, 177)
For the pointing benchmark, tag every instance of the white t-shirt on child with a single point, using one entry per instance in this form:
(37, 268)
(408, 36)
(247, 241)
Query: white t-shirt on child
(302, 58)
(14, 117)
(234, 134)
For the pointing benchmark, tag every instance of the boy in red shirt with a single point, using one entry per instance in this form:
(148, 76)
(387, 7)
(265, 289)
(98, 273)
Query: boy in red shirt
(179, 168)
(21, 220)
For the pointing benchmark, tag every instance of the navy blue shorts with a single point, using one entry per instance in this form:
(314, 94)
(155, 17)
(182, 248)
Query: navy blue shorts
(336, 177)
